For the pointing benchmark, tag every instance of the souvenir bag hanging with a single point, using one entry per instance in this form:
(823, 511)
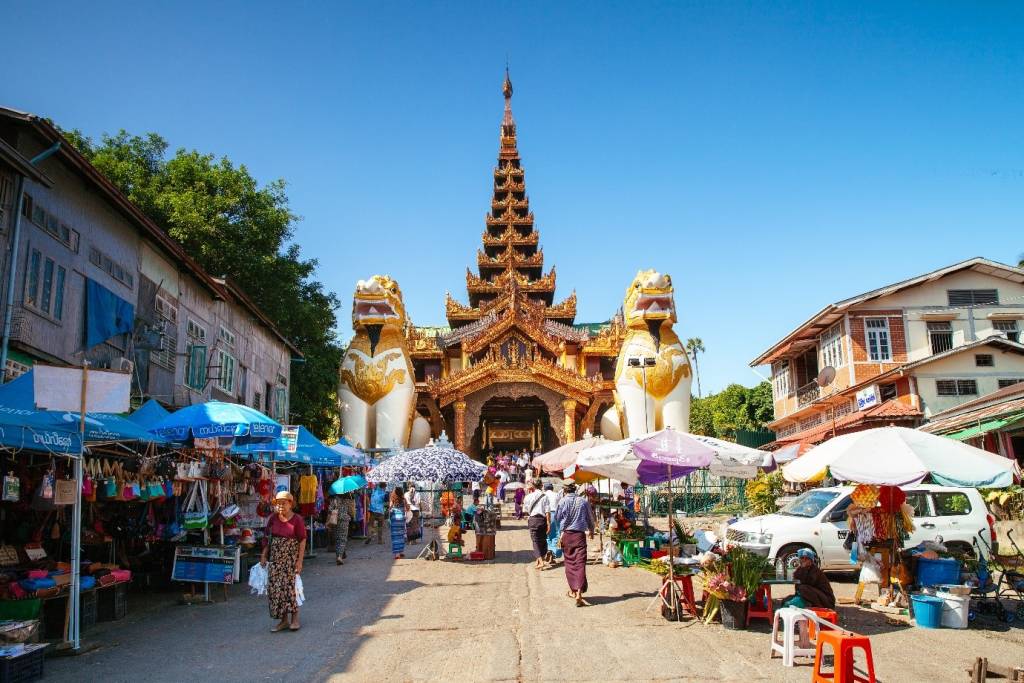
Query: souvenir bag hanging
(88, 487)
(43, 498)
(196, 510)
(12, 488)
(109, 488)
(64, 492)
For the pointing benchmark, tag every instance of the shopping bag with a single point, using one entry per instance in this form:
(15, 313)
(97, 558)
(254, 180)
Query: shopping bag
(258, 580)
(12, 488)
(64, 493)
(196, 512)
(300, 595)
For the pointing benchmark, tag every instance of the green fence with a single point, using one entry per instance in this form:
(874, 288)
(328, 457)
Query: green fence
(700, 493)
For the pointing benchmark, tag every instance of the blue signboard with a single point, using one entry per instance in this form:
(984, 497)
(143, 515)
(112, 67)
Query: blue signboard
(205, 564)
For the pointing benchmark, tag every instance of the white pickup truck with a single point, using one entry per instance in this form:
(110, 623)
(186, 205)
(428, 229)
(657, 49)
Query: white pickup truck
(816, 519)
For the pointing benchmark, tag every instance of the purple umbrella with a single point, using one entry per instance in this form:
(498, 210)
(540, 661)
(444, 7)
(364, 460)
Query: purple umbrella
(669, 454)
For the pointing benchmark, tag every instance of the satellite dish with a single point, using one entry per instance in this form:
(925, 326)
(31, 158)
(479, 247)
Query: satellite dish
(825, 377)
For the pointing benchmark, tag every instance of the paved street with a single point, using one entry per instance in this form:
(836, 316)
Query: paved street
(376, 619)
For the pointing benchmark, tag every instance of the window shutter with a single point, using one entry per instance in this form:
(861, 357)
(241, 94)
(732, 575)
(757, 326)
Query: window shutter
(197, 367)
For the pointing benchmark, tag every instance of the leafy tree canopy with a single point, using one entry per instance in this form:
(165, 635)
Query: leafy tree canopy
(735, 407)
(237, 228)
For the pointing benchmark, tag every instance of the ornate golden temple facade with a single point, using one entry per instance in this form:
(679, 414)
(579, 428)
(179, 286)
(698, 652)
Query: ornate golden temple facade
(512, 370)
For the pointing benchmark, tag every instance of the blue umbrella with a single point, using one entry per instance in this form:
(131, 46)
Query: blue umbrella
(149, 413)
(216, 419)
(347, 484)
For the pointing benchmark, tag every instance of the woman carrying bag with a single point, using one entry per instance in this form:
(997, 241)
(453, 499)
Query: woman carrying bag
(340, 511)
(285, 547)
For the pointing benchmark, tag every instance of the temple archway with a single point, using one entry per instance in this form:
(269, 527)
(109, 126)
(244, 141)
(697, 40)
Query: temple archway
(513, 406)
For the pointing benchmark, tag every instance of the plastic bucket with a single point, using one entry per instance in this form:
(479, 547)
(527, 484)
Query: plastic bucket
(937, 572)
(927, 610)
(954, 609)
(734, 614)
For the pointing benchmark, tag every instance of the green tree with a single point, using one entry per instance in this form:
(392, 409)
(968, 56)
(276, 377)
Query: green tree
(235, 227)
(695, 345)
(735, 407)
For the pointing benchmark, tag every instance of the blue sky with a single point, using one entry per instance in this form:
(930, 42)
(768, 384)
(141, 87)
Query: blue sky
(772, 157)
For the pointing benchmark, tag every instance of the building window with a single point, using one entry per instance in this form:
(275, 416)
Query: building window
(1003, 383)
(984, 360)
(780, 379)
(227, 336)
(887, 392)
(226, 378)
(166, 355)
(195, 355)
(973, 297)
(281, 404)
(165, 308)
(44, 285)
(257, 400)
(1008, 328)
(57, 229)
(956, 387)
(831, 343)
(940, 334)
(877, 332)
(111, 267)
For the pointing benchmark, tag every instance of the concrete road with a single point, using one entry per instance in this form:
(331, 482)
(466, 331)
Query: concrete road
(377, 619)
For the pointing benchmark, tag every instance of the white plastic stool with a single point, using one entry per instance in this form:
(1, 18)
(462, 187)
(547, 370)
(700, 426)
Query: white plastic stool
(789, 647)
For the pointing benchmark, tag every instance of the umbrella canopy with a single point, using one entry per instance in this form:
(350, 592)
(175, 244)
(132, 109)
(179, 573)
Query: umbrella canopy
(440, 464)
(899, 456)
(350, 457)
(650, 459)
(733, 460)
(347, 484)
(149, 413)
(216, 419)
(309, 450)
(563, 457)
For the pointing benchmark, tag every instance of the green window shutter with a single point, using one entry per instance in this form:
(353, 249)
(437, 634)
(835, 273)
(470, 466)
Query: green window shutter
(197, 367)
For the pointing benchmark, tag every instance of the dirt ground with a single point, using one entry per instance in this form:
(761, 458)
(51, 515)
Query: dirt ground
(377, 619)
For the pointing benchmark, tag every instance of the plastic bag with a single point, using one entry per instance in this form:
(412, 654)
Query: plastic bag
(611, 554)
(300, 595)
(870, 572)
(258, 580)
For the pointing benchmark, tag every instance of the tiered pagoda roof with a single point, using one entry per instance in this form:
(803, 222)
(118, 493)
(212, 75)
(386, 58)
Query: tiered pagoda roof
(511, 259)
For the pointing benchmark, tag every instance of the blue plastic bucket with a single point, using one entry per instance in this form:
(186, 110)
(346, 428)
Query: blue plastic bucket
(927, 610)
(937, 572)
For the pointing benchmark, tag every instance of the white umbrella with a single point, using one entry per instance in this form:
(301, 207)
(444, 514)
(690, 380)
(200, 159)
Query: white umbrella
(612, 459)
(557, 460)
(732, 459)
(898, 456)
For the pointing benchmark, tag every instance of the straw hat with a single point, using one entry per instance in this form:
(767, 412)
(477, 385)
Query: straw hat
(285, 495)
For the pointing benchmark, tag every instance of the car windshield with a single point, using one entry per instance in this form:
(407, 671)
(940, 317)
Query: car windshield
(809, 504)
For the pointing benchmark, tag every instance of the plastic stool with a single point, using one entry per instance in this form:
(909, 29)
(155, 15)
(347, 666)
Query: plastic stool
(455, 550)
(685, 583)
(825, 614)
(630, 552)
(843, 644)
(650, 543)
(789, 647)
(760, 606)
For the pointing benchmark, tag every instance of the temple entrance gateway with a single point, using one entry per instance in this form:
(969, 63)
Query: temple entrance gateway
(512, 424)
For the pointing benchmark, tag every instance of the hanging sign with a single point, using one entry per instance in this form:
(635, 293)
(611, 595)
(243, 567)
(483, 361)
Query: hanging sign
(205, 564)
(290, 438)
(867, 398)
(61, 389)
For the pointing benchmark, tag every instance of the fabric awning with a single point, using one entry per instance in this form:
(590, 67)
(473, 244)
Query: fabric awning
(985, 427)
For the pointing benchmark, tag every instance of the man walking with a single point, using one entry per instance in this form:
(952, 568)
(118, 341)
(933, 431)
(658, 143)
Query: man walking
(575, 518)
(538, 517)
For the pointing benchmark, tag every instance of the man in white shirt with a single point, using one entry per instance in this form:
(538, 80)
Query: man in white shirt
(502, 480)
(538, 517)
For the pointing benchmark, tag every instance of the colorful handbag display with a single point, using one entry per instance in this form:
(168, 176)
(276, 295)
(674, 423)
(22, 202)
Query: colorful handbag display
(196, 511)
(64, 492)
(12, 488)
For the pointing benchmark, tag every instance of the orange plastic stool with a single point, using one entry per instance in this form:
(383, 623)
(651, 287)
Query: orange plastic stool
(843, 644)
(824, 614)
(760, 606)
(685, 583)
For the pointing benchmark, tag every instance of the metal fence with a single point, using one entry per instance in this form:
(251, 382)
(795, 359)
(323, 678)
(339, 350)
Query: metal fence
(700, 493)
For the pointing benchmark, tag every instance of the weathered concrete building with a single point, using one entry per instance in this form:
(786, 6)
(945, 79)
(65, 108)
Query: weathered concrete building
(86, 260)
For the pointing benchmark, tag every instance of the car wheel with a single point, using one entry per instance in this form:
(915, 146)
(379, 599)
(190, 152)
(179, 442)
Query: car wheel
(787, 556)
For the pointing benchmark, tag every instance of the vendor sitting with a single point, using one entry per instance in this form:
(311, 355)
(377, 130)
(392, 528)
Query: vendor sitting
(813, 587)
(455, 534)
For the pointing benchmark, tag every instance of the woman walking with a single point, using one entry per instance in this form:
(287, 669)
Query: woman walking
(342, 510)
(518, 497)
(398, 513)
(285, 547)
(575, 517)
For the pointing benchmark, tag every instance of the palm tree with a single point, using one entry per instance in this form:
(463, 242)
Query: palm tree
(694, 345)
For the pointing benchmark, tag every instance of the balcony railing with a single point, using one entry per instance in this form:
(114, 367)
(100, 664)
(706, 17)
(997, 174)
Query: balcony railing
(808, 393)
